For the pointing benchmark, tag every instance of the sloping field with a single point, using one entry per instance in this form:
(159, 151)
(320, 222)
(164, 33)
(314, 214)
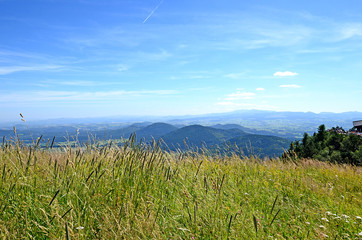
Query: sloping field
(140, 192)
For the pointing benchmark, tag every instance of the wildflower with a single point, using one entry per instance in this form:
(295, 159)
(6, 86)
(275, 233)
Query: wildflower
(344, 216)
(246, 193)
(337, 217)
(360, 234)
(325, 219)
(329, 213)
(80, 228)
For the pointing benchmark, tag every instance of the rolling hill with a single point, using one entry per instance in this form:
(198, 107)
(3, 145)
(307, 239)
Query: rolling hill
(261, 145)
(231, 135)
(217, 136)
(197, 136)
(155, 131)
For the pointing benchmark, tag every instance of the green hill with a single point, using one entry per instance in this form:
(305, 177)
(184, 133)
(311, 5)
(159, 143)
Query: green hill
(155, 131)
(198, 136)
(261, 145)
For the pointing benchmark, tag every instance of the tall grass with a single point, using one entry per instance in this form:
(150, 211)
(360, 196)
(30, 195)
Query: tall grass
(141, 192)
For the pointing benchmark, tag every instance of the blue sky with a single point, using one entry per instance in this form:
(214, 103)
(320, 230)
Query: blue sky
(90, 58)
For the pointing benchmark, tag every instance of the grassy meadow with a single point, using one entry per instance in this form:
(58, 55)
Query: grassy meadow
(141, 192)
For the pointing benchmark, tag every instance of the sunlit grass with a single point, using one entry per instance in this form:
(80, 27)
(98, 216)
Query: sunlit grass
(136, 191)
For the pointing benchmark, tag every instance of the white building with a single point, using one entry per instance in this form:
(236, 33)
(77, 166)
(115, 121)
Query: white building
(358, 125)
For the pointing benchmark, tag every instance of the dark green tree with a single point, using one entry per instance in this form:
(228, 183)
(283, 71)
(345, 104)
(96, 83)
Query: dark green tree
(334, 146)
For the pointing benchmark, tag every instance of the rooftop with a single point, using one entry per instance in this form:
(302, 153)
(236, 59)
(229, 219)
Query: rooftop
(357, 123)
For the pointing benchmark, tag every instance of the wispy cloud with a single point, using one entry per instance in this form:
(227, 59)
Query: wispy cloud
(285, 74)
(234, 75)
(193, 75)
(231, 106)
(122, 68)
(350, 30)
(290, 86)
(80, 83)
(13, 69)
(240, 95)
(55, 83)
(151, 56)
(244, 100)
(99, 39)
(256, 33)
(22, 55)
(199, 77)
(47, 96)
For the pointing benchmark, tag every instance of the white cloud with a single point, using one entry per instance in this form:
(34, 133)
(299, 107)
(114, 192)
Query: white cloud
(13, 69)
(285, 74)
(290, 86)
(240, 95)
(260, 89)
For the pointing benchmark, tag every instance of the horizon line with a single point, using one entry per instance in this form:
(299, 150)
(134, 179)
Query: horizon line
(169, 116)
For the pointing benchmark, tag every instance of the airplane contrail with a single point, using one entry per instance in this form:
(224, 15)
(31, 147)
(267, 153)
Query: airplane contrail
(153, 11)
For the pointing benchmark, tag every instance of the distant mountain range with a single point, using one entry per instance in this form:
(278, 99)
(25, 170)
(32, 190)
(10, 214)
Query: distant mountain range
(290, 125)
(219, 137)
(266, 133)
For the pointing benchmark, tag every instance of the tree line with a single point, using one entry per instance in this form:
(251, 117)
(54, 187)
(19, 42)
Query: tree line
(334, 145)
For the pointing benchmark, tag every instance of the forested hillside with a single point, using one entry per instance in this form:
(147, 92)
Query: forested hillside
(334, 145)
